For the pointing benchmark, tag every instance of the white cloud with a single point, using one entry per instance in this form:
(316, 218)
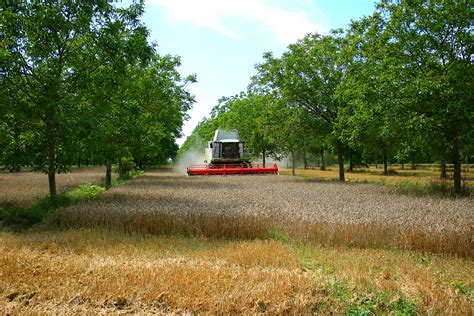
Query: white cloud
(273, 17)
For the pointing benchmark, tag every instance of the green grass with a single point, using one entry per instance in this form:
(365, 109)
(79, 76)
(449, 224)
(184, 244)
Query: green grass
(280, 236)
(43, 209)
(302, 250)
(376, 302)
(359, 300)
(405, 187)
(462, 287)
(433, 188)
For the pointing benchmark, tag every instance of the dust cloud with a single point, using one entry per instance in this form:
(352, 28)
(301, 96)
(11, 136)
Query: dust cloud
(191, 157)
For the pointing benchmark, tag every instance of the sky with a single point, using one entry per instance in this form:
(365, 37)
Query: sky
(222, 40)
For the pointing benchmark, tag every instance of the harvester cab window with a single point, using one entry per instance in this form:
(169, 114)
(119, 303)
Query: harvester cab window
(230, 150)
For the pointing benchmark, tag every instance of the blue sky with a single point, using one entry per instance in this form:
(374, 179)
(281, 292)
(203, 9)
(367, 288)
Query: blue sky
(222, 40)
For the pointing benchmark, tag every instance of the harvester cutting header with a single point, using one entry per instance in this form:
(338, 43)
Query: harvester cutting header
(225, 154)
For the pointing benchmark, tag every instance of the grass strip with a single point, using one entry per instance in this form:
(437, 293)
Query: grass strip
(356, 300)
(43, 209)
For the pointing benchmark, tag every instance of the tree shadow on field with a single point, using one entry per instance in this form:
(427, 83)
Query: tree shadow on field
(164, 215)
(125, 202)
(201, 183)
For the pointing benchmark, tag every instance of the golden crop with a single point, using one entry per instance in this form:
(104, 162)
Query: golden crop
(252, 206)
(166, 243)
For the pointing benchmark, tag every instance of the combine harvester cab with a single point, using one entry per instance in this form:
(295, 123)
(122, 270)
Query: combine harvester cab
(226, 155)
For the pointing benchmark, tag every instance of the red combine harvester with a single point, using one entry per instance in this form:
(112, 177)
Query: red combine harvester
(226, 155)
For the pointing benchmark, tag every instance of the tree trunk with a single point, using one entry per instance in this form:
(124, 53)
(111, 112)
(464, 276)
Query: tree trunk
(305, 161)
(52, 170)
(385, 166)
(263, 158)
(121, 172)
(293, 163)
(351, 165)
(323, 166)
(108, 174)
(340, 160)
(403, 166)
(443, 168)
(457, 166)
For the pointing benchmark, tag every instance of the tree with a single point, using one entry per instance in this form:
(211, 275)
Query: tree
(427, 48)
(306, 77)
(49, 49)
(412, 59)
(288, 132)
(162, 96)
(373, 120)
(252, 115)
(202, 133)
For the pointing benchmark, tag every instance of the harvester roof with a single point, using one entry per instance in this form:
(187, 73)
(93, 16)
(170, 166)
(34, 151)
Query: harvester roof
(226, 136)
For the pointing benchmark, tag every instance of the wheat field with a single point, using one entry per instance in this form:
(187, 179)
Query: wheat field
(167, 243)
(99, 271)
(249, 207)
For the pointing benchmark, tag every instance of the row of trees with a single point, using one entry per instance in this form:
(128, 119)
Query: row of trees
(79, 82)
(396, 84)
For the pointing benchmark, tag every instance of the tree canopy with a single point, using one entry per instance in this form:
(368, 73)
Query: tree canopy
(81, 82)
(396, 85)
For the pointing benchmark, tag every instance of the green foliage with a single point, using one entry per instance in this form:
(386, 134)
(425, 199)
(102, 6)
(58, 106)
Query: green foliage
(369, 302)
(84, 192)
(45, 61)
(254, 116)
(279, 236)
(396, 86)
(143, 120)
(376, 302)
(80, 82)
(462, 287)
(339, 291)
(124, 166)
(201, 134)
(305, 79)
(400, 58)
